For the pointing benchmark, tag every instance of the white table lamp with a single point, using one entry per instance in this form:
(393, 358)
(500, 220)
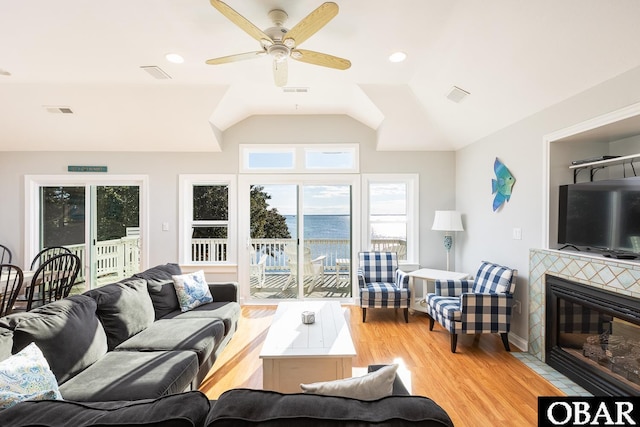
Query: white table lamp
(447, 221)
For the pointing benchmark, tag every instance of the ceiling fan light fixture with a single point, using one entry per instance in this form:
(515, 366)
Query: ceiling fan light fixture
(397, 57)
(279, 52)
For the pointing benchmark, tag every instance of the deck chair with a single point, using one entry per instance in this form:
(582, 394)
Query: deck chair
(258, 270)
(313, 268)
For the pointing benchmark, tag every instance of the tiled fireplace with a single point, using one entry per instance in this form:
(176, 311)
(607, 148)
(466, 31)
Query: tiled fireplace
(581, 276)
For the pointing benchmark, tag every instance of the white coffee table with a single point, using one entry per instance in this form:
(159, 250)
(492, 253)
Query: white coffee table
(428, 275)
(295, 353)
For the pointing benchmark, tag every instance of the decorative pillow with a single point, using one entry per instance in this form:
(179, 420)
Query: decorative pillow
(26, 376)
(192, 290)
(372, 386)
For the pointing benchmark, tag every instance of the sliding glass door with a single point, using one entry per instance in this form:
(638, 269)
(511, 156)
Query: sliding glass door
(300, 233)
(99, 223)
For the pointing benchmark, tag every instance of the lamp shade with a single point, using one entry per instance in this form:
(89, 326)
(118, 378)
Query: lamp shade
(447, 221)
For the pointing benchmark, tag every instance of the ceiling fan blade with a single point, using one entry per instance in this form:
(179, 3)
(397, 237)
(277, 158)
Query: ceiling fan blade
(240, 21)
(280, 73)
(235, 58)
(311, 24)
(323, 59)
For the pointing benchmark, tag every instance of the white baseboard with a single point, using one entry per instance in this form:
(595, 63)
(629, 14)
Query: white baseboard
(518, 341)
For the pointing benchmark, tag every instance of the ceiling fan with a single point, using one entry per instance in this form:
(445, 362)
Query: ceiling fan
(281, 43)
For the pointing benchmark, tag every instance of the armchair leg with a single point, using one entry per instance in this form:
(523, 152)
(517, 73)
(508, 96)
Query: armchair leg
(454, 342)
(364, 315)
(505, 340)
(431, 322)
(406, 315)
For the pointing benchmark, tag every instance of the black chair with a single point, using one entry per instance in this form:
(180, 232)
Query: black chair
(53, 280)
(46, 254)
(5, 255)
(11, 279)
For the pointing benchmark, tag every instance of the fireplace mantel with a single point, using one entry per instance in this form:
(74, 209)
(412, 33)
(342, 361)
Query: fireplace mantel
(617, 276)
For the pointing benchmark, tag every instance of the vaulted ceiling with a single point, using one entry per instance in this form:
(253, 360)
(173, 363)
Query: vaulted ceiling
(514, 57)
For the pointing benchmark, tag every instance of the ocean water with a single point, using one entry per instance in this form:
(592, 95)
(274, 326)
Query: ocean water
(338, 227)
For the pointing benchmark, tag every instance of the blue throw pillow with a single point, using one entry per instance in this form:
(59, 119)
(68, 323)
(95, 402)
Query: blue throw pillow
(26, 376)
(192, 290)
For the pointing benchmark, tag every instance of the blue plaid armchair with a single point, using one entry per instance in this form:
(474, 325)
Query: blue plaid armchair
(478, 306)
(382, 284)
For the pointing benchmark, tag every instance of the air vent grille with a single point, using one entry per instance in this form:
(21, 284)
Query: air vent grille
(290, 89)
(156, 72)
(53, 109)
(457, 95)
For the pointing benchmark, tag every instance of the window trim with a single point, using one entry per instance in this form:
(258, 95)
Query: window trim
(413, 210)
(185, 216)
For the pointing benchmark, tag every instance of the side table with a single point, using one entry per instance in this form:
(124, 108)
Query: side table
(428, 276)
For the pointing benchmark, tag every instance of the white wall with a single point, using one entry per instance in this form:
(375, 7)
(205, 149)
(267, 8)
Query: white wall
(488, 234)
(436, 169)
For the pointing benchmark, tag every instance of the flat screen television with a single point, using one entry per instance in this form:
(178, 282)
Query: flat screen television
(603, 216)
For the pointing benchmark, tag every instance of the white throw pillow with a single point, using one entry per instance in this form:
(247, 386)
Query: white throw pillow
(192, 290)
(26, 376)
(372, 386)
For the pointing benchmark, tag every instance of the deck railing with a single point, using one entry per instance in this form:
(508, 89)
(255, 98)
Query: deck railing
(120, 258)
(116, 259)
(209, 250)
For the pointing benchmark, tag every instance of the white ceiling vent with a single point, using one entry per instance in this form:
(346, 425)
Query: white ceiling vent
(55, 109)
(156, 72)
(290, 89)
(457, 95)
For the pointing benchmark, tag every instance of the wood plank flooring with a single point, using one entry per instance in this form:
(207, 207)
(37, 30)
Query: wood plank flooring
(480, 385)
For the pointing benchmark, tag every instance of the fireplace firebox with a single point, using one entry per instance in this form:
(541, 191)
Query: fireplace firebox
(593, 337)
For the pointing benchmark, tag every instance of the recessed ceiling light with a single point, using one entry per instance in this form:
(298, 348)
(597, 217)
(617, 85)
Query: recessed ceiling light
(397, 57)
(175, 58)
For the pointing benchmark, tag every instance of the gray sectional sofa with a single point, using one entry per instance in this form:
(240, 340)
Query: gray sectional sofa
(124, 354)
(127, 340)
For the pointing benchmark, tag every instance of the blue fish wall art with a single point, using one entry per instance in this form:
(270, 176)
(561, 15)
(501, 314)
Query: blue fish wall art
(502, 186)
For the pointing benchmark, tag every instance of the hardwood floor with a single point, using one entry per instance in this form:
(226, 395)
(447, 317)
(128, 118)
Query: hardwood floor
(480, 385)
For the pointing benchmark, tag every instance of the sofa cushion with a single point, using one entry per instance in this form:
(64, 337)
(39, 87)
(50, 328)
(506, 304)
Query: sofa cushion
(67, 331)
(6, 343)
(245, 407)
(129, 375)
(26, 375)
(198, 335)
(178, 410)
(192, 290)
(160, 286)
(371, 386)
(228, 312)
(124, 308)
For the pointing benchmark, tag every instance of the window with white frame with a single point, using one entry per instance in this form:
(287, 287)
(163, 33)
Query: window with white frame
(288, 158)
(208, 219)
(392, 214)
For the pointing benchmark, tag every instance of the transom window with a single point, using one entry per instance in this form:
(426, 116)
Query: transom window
(327, 158)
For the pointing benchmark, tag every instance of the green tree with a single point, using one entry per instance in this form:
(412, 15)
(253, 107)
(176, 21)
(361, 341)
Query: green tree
(266, 222)
(118, 209)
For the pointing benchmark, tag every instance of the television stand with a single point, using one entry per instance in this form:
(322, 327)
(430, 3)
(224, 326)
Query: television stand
(620, 256)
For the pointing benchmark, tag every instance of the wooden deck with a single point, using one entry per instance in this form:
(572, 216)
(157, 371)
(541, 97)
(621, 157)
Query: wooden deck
(325, 287)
